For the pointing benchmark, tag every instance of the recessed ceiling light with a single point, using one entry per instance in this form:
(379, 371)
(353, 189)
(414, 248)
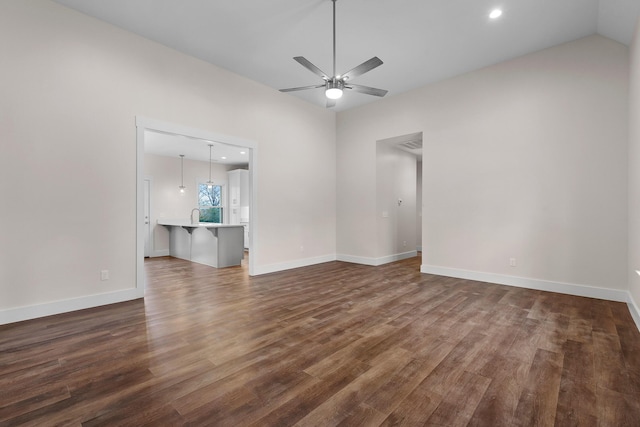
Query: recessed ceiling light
(243, 152)
(223, 158)
(495, 13)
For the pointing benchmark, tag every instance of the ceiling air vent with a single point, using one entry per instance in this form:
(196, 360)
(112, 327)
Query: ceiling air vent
(415, 144)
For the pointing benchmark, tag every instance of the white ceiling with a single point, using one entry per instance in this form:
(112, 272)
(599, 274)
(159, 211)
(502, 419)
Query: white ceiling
(420, 41)
(170, 145)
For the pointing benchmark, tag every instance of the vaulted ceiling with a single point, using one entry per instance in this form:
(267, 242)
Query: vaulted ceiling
(420, 41)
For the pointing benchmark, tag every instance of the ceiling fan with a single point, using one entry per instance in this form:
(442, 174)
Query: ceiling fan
(335, 84)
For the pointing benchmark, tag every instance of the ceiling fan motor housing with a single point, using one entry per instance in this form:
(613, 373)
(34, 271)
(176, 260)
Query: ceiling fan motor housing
(335, 83)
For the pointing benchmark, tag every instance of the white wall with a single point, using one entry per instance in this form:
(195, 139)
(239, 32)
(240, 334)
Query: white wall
(634, 173)
(70, 90)
(396, 179)
(166, 200)
(524, 159)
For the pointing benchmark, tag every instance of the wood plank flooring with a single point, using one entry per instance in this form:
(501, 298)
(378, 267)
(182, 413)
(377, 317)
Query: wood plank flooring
(335, 344)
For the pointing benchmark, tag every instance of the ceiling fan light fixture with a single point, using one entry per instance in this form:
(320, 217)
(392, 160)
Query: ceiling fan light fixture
(334, 89)
(333, 93)
(335, 85)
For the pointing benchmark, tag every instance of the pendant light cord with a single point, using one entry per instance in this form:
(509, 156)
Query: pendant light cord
(210, 147)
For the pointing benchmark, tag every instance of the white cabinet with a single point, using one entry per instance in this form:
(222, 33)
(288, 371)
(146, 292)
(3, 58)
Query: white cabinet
(238, 191)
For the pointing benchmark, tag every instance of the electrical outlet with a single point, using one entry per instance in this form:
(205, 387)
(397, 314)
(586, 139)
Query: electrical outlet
(512, 262)
(104, 275)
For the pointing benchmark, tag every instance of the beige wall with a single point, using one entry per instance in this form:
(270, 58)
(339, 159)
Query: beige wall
(524, 159)
(634, 170)
(71, 88)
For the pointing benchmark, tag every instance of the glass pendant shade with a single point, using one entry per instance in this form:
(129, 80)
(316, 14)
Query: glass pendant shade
(333, 93)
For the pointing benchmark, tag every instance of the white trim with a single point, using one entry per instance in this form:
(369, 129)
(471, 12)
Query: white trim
(143, 124)
(139, 219)
(305, 262)
(253, 210)
(376, 261)
(159, 253)
(49, 309)
(356, 259)
(618, 295)
(151, 233)
(633, 309)
(168, 127)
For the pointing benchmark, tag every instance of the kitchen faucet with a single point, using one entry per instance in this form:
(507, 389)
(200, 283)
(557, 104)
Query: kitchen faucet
(192, 211)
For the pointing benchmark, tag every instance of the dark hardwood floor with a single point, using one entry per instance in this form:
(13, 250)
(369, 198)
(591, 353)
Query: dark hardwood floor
(332, 344)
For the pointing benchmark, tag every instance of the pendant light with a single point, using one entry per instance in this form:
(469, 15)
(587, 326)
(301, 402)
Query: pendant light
(182, 187)
(210, 183)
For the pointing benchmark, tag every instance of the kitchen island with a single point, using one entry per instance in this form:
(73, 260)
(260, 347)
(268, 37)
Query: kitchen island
(216, 245)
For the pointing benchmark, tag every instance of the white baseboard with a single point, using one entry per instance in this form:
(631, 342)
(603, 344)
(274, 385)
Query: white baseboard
(19, 314)
(376, 261)
(159, 253)
(305, 262)
(618, 295)
(634, 310)
(356, 259)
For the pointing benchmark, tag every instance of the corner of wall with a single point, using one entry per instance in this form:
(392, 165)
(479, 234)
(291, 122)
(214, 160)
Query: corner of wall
(376, 261)
(282, 266)
(634, 310)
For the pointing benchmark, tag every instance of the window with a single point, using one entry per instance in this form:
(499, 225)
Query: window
(210, 203)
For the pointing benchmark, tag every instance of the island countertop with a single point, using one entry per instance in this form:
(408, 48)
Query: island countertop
(213, 244)
(187, 223)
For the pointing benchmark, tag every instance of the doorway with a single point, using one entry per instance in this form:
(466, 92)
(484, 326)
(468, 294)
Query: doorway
(398, 196)
(144, 124)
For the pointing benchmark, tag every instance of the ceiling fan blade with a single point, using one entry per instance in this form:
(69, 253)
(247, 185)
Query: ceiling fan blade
(363, 68)
(309, 66)
(293, 89)
(368, 90)
(331, 103)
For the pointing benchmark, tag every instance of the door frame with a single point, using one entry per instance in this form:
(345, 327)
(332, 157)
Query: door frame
(147, 218)
(143, 124)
